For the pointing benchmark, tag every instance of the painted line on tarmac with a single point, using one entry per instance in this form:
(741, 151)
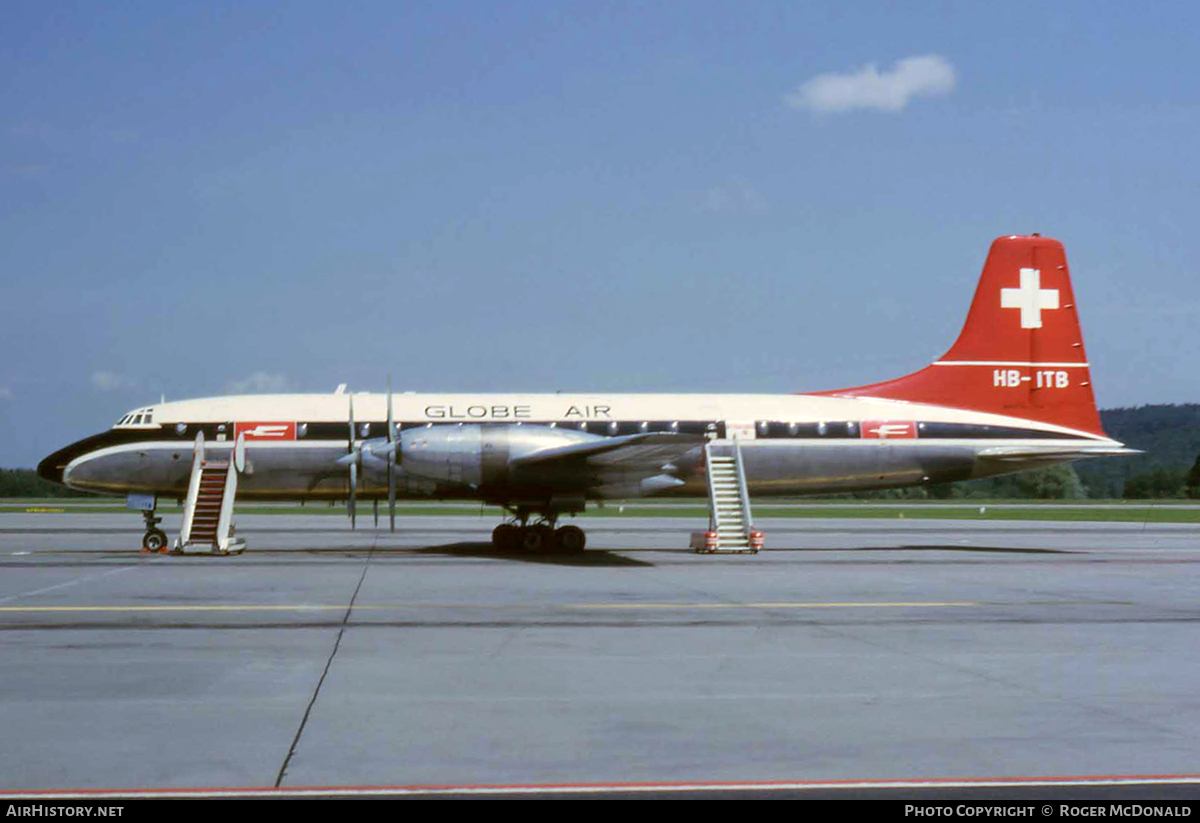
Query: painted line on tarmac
(201, 607)
(192, 608)
(814, 605)
(57, 586)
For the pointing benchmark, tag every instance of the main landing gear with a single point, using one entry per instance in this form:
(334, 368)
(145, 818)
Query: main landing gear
(538, 538)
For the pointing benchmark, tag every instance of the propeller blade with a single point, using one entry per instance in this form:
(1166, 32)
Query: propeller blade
(392, 455)
(351, 501)
(392, 494)
(391, 420)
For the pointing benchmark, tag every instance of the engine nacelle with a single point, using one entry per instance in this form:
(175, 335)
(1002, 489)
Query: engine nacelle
(477, 455)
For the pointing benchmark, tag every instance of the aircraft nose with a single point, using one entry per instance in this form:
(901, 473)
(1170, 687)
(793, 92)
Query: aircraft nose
(54, 467)
(50, 469)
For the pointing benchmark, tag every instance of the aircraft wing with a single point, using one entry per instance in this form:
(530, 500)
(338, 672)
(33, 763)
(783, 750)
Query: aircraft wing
(632, 452)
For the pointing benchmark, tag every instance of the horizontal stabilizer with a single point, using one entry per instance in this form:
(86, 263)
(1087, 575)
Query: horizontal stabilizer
(1024, 453)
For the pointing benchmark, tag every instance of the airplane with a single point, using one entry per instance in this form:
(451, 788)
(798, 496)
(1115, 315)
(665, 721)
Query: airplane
(1013, 392)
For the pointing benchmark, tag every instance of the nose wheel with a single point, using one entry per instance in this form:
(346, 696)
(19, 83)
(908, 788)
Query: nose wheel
(155, 539)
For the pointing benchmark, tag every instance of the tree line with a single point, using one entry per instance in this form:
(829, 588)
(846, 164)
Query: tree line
(28, 483)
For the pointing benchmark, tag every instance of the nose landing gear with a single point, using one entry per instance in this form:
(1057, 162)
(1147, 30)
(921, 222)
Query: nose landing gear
(155, 539)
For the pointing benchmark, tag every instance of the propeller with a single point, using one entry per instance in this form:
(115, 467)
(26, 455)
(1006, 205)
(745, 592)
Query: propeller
(382, 449)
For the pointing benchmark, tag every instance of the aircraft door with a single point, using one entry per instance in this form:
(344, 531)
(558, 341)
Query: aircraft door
(740, 429)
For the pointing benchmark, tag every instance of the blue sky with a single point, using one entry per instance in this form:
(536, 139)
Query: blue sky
(201, 198)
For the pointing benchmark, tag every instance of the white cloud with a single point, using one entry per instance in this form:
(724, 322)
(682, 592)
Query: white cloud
(922, 76)
(110, 381)
(258, 383)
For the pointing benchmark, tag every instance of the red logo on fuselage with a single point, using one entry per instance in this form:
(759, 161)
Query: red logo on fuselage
(265, 431)
(888, 429)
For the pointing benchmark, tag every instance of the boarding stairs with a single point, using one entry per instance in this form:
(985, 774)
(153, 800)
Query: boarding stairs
(208, 510)
(730, 524)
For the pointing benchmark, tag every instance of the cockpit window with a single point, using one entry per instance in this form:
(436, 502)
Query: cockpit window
(138, 417)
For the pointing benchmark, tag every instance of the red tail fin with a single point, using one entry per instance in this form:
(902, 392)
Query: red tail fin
(1020, 352)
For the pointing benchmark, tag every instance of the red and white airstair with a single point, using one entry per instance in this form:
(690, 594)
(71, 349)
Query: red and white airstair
(208, 510)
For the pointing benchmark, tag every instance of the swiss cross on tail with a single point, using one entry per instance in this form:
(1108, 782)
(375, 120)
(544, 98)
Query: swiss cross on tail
(1030, 298)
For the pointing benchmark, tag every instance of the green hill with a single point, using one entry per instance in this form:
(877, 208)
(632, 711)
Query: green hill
(1170, 437)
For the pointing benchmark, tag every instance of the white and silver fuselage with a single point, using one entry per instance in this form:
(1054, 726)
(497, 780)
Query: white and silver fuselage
(791, 444)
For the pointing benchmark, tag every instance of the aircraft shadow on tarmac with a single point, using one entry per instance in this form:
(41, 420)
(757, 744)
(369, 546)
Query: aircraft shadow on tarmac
(592, 557)
(605, 558)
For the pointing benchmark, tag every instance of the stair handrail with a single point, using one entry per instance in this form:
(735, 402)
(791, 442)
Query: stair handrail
(231, 481)
(743, 490)
(712, 495)
(189, 508)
